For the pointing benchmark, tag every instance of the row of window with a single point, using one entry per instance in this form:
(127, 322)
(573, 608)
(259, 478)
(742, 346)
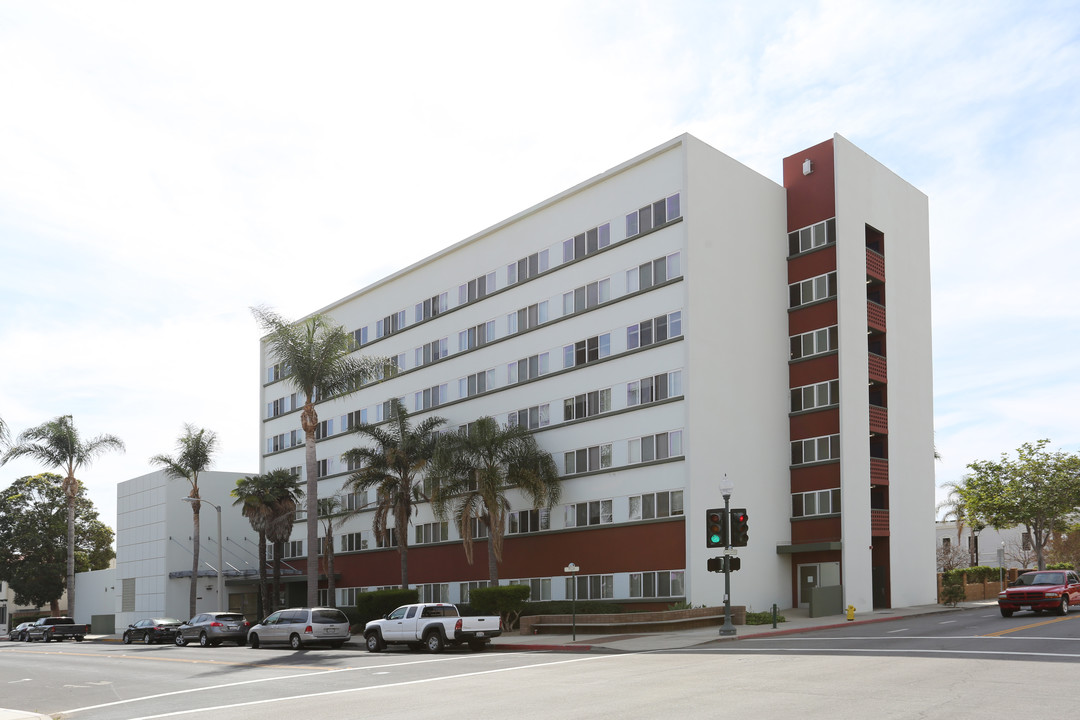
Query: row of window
(815, 342)
(812, 237)
(804, 292)
(818, 395)
(815, 449)
(817, 502)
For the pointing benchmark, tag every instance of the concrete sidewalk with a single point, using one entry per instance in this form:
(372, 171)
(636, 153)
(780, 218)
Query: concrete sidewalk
(798, 621)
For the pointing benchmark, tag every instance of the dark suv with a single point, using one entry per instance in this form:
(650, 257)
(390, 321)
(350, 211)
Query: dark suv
(212, 628)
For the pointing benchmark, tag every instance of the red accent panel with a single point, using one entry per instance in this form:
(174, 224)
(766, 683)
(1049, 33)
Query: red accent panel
(879, 471)
(875, 316)
(814, 370)
(815, 530)
(810, 198)
(875, 265)
(878, 368)
(814, 317)
(812, 264)
(815, 477)
(815, 424)
(879, 523)
(879, 420)
(639, 546)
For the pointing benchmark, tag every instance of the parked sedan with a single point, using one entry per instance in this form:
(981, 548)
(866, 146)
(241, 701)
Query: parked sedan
(213, 628)
(19, 632)
(297, 627)
(152, 630)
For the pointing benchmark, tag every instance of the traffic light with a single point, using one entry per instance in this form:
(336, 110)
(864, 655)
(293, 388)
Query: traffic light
(715, 528)
(740, 533)
(716, 564)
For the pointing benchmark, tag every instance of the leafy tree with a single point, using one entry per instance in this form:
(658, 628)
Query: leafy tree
(318, 356)
(475, 470)
(57, 444)
(401, 451)
(34, 540)
(1040, 489)
(194, 454)
(283, 493)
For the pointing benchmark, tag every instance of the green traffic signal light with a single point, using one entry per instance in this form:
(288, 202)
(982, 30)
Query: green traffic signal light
(715, 528)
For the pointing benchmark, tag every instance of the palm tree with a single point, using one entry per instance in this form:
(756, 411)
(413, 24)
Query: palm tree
(955, 507)
(194, 454)
(57, 444)
(331, 515)
(318, 355)
(473, 473)
(283, 495)
(3, 433)
(252, 494)
(390, 467)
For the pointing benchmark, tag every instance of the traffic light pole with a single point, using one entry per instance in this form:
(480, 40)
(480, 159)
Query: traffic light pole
(728, 627)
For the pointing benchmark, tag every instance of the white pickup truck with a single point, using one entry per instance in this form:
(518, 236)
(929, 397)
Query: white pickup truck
(430, 625)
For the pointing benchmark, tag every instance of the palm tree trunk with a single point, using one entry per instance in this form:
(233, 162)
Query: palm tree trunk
(493, 562)
(70, 489)
(264, 591)
(401, 529)
(194, 556)
(279, 547)
(328, 547)
(309, 421)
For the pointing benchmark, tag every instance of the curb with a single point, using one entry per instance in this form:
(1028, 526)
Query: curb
(538, 647)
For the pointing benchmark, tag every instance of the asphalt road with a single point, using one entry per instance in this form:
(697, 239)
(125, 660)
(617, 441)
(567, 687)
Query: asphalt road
(959, 665)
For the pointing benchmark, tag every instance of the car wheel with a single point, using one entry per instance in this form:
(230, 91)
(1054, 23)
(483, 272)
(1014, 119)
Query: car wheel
(127, 639)
(295, 643)
(1063, 609)
(374, 642)
(434, 642)
(253, 641)
(179, 640)
(78, 638)
(1005, 613)
(203, 640)
(147, 640)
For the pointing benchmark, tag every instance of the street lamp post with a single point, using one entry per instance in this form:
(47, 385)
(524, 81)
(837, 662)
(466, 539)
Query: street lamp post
(573, 569)
(975, 534)
(220, 560)
(726, 488)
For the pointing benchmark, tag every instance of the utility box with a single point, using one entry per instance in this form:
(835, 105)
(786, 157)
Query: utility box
(828, 600)
(102, 624)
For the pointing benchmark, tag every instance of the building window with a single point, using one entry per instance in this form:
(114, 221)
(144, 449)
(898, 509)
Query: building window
(818, 502)
(466, 587)
(478, 529)
(476, 384)
(809, 397)
(657, 584)
(591, 587)
(360, 336)
(656, 505)
(430, 352)
(324, 429)
(654, 389)
(477, 336)
(814, 342)
(527, 267)
(646, 275)
(588, 459)
(587, 404)
(539, 588)
(476, 289)
(354, 501)
(587, 351)
(527, 318)
(586, 243)
(595, 512)
(537, 416)
(658, 329)
(433, 592)
(283, 405)
(655, 447)
(351, 542)
(816, 449)
(812, 237)
(817, 288)
(432, 532)
(390, 324)
(353, 420)
(527, 368)
(529, 521)
(587, 296)
(325, 467)
(431, 307)
(652, 216)
(293, 549)
(430, 397)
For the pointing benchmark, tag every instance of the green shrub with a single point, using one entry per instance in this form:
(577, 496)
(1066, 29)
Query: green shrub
(374, 605)
(506, 601)
(952, 593)
(975, 574)
(762, 618)
(680, 606)
(1060, 566)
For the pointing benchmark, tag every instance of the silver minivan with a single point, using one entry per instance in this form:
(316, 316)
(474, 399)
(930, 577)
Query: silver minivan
(297, 627)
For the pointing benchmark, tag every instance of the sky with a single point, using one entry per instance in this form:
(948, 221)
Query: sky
(164, 167)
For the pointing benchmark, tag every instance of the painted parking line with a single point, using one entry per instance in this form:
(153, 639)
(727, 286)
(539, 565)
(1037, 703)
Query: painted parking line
(897, 631)
(1006, 631)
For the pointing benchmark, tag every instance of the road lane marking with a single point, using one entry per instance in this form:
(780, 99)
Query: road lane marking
(905, 651)
(404, 683)
(896, 631)
(262, 680)
(946, 622)
(1006, 631)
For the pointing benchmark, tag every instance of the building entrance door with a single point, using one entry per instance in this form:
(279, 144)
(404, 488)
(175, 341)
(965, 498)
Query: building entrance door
(809, 578)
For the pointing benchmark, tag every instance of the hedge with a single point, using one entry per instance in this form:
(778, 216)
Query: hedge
(374, 605)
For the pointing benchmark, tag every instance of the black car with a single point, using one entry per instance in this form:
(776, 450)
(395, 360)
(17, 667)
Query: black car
(152, 630)
(18, 632)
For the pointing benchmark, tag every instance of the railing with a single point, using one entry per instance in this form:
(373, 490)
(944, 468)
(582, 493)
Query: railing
(879, 420)
(875, 265)
(879, 471)
(878, 367)
(879, 523)
(875, 316)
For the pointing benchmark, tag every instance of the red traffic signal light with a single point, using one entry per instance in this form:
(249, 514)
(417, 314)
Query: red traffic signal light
(740, 532)
(715, 528)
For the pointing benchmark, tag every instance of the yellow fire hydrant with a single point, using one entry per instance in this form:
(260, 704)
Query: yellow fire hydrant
(850, 612)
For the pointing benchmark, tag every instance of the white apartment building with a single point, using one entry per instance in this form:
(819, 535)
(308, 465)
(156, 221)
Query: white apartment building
(668, 322)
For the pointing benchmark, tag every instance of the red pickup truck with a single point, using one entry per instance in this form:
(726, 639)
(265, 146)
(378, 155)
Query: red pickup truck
(1041, 590)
